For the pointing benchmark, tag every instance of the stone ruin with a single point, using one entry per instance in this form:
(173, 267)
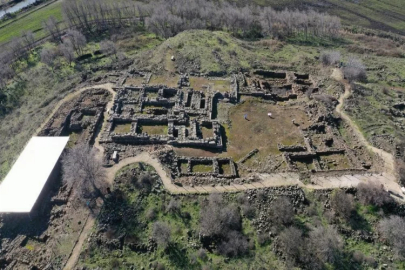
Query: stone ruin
(82, 115)
(183, 114)
(158, 115)
(278, 86)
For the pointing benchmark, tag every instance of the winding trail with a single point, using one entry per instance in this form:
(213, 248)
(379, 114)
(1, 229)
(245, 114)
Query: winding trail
(389, 160)
(387, 178)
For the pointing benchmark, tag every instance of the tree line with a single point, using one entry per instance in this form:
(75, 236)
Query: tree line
(167, 18)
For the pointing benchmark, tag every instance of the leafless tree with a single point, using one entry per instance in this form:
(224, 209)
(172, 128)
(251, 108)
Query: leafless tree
(217, 218)
(6, 73)
(234, 245)
(325, 244)
(342, 203)
(354, 70)
(83, 170)
(161, 233)
(330, 58)
(29, 39)
(17, 48)
(392, 231)
(51, 26)
(292, 243)
(48, 56)
(373, 193)
(66, 49)
(108, 47)
(78, 41)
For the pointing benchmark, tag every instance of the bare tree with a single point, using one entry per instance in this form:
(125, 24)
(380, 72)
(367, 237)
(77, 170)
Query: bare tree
(325, 244)
(354, 70)
(282, 211)
(83, 170)
(78, 41)
(108, 47)
(373, 193)
(161, 233)
(235, 244)
(330, 58)
(392, 231)
(292, 243)
(52, 28)
(29, 39)
(217, 219)
(48, 56)
(342, 203)
(66, 49)
(17, 48)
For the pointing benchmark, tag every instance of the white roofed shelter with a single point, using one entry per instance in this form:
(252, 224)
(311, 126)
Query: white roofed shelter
(23, 185)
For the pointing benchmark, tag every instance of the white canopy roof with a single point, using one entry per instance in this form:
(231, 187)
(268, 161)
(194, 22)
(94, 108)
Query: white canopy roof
(22, 186)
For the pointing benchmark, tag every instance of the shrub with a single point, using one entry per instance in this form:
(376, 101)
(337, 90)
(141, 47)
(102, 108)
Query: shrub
(342, 203)
(217, 219)
(235, 245)
(151, 214)
(392, 231)
(202, 254)
(161, 233)
(174, 206)
(330, 58)
(373, 193)
(282, 211)
(248, 211)
(263, 238)
(292, 243)
(325, 244)
(355, 70)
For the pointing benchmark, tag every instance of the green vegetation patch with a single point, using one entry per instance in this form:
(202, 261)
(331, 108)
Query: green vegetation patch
(201, 168)
(153, 129)
(122, 128)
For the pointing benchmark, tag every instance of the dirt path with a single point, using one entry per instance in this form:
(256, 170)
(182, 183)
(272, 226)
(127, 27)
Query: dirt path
(74, 256)
(389, 161)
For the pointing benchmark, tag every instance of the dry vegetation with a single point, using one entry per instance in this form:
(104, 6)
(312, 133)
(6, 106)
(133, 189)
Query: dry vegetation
(260, 131)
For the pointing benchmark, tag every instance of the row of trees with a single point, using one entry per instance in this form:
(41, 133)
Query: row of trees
(167, 18)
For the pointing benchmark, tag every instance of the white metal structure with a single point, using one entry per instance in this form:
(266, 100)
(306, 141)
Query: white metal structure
(22, 186)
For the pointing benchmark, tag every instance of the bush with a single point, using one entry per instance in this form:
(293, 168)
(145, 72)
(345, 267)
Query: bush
(235, 245)
(282, 211)
(342, 203)
(392, 230)
(174, 206)
(217, 219)
(325, 244)
(151, 214)
(330, 58)
(360, 258)
(161, 233)
(202, 254)
(355, 70)
(292, 243)
(248, 211)
(373, 193)
(263, 238)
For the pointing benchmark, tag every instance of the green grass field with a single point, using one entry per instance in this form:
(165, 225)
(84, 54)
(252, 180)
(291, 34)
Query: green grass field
(32, 21)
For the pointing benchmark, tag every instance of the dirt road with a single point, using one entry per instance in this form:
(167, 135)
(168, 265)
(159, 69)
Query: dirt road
(389, 161)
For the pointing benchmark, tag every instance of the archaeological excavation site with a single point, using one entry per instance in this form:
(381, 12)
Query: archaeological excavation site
(202, 135)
